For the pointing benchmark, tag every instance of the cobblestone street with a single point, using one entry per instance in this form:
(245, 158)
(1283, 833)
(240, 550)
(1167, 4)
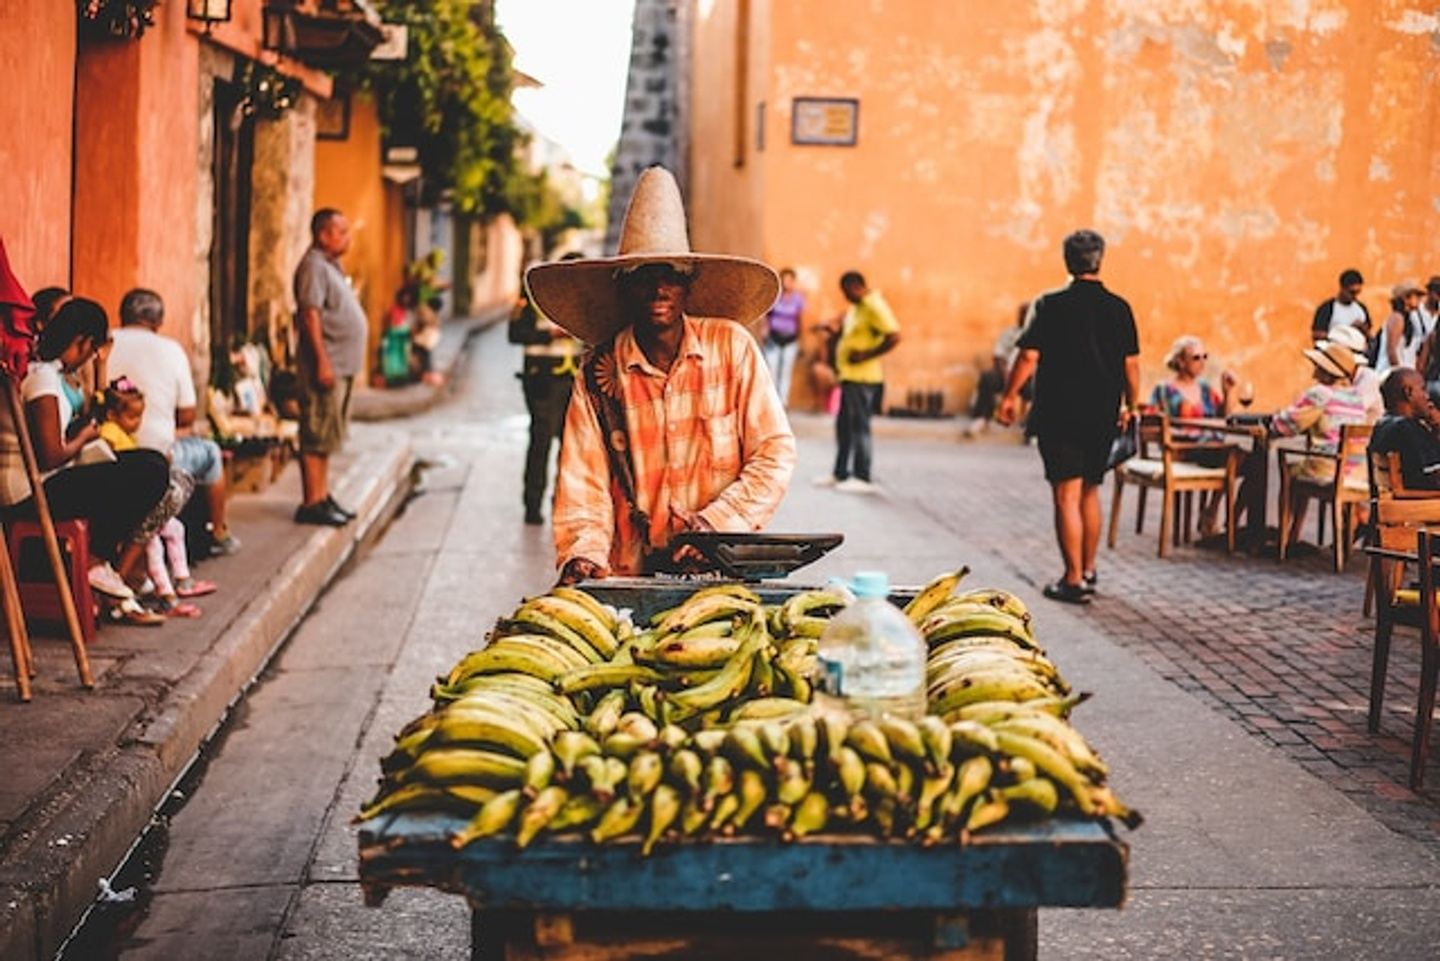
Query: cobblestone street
(1280, 648)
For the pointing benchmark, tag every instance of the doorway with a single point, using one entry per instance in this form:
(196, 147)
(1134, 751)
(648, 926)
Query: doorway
(230, 243)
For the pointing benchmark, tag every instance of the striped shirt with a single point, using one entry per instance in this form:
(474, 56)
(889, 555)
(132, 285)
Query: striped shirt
(708, 437)
(1318, 414)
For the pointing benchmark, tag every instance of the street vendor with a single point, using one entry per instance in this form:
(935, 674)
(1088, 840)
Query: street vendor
(674, 425)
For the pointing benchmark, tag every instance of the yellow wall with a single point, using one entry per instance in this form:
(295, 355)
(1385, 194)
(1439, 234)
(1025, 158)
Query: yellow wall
(35, 157)
(348, 177)
(1236, 154)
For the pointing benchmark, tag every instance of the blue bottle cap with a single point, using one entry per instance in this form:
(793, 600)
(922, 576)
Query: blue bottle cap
(871, 584)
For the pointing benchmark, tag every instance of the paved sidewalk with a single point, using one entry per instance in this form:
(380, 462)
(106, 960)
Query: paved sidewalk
(372, 404)
(1281, 649)
(85, 769)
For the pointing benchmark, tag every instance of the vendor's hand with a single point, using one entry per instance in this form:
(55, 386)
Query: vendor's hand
(581, 569)
(1008, 410)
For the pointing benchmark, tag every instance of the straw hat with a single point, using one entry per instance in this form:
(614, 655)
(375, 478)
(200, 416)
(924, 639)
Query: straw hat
(1405, 288)
(583, 297)
(1334, 358)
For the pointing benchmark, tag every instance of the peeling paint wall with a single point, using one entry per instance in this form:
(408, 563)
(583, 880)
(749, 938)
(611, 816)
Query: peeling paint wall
(1237, 154)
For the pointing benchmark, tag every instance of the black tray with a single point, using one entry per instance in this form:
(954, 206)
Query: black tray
(749, 557)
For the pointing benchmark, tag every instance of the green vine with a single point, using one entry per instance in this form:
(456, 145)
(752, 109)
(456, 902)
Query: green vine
(450, 98)
(267, 92)
(126, 19)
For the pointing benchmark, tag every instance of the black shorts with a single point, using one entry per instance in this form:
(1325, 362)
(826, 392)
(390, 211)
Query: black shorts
(1072, 454)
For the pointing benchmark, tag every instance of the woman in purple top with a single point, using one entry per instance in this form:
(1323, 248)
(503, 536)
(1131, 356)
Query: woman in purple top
(784, 334)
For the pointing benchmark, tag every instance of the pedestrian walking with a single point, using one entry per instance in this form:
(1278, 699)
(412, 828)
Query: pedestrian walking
(1080, 343)
(332, 351)
(868, 331)
(1404, 329)
(547, 374)
(782, 334)
(675, 426)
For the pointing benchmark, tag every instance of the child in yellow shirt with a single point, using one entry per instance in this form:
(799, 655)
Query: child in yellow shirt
(163, 532)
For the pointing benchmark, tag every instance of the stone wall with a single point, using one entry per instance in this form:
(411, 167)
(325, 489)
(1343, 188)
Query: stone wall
(651, 130)
(281, 202)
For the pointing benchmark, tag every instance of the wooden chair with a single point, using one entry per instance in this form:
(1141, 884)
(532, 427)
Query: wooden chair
(1348, 487)
(1404, 541)
(1176, 477)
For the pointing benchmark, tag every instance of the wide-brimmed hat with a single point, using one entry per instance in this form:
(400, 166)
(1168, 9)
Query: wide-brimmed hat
(1334, 358)
(1349, 336)
(1405, 288)
(582, 296)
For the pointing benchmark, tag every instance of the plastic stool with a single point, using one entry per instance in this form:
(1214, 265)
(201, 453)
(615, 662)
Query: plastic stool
(38, 597)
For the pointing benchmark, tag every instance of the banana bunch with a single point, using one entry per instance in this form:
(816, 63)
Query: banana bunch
(721, 648)
(701, 724)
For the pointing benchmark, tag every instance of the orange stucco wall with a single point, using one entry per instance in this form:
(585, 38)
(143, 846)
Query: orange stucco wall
(137, 139)
(1236, 154)
(35, 156)
(348, 177)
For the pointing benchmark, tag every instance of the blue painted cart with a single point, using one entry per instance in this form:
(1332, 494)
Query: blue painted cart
(836, 896)
(841, 897)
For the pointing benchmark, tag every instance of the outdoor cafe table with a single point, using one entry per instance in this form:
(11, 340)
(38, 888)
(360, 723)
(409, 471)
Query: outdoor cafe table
(836, 896)
(1256, 428)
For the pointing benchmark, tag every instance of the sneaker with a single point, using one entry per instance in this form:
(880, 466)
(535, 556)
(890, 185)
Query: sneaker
(1066, 593)
(854, 485)
(107, 581)
(321, 514)
(224, 546)
(826, 480)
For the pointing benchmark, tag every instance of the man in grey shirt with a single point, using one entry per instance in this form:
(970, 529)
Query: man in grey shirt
(332, 351)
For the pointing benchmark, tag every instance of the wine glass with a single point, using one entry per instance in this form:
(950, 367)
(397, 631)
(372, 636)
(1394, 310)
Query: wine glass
(1246, 395)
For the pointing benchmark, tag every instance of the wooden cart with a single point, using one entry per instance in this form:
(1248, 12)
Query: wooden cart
(837, 897)
(830, 897)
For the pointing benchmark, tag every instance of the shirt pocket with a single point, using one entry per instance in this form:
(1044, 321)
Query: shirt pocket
(723, 441)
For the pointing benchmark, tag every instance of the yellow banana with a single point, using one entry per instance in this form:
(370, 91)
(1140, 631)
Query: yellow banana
(637, 725)
(725, 590)
(1062, 737)
(939, 743)
(619, 818)
(1036, 794)
(694, 650)
(767, 708)
(752, 793)
(664, 809)
(932, 789)
(725, 686)
(595, 676)
(570, 748)
(774, 740)
(711, 607)
(492, 730)
(575, 617)
(791, 784)
(904, 737)
(1017, 769)
(742, 743)
(971, 624)
(988, 712)
(579, 810)
(726, 807)
(504, 658)
(866, 737)
(811, 815)
(685, 767)
(991, 686)
(997, 598)
(989, 811)
(539, 813)
(804, 742)
(693, 815)
(719, 779)
(972, 778)
(880, 780)
(933, 594)
(968, 738)
(493, 818)
(709, 742)
(602, 720)
(1053, 765)
(413, 796)
(539, 772)
(602, 612)
(646, 769)
(462, 765)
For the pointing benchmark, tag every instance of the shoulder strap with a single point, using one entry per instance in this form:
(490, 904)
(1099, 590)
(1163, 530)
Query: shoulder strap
(611, 416)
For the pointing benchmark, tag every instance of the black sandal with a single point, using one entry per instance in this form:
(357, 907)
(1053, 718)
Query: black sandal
(1089, 581)
(1067, 593)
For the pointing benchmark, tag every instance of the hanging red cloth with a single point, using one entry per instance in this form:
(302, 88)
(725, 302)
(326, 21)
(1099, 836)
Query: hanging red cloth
(17, 322)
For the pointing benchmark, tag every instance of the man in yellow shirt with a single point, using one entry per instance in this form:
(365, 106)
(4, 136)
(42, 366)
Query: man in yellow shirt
(868, 330)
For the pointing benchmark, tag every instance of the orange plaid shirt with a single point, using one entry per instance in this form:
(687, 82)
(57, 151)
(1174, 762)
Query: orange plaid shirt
(710, 437)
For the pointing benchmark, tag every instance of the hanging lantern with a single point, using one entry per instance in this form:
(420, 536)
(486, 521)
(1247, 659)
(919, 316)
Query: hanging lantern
(208, 12)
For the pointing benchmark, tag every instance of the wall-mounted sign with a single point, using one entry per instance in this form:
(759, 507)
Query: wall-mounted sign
(826, 121)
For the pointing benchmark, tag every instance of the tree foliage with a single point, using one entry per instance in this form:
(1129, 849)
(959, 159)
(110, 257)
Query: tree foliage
(450, 98)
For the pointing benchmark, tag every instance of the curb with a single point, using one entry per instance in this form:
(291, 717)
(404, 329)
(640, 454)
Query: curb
(378, 404)
(88, 827)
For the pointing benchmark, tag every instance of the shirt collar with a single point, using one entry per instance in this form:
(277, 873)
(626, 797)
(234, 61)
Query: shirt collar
(631, 357)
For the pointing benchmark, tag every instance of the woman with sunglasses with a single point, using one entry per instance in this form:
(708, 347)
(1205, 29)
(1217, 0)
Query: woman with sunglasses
(1187, 394)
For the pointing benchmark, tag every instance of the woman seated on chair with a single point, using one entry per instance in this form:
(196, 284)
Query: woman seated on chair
(1318, 414)
(1187, 394)
(113, 493)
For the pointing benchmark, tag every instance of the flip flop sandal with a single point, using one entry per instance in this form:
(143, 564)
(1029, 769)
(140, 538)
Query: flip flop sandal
(1066, 593)
(190, 587)
(130, 612)
(182, 609)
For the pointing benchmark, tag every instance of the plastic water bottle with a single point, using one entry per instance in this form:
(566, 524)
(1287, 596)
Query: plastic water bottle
(871, 656)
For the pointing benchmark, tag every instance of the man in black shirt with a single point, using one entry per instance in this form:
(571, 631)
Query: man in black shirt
(1410, 427)
(1081, 345)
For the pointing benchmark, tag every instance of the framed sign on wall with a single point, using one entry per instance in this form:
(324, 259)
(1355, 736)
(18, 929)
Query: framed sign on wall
(825, 121)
